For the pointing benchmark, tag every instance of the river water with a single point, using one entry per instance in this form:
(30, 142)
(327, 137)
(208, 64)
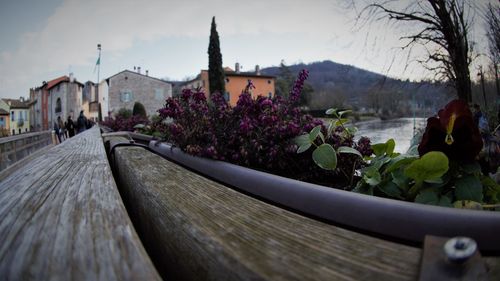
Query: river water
(401, 130)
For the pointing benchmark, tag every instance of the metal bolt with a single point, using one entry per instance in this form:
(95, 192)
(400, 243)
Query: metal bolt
(459, 249)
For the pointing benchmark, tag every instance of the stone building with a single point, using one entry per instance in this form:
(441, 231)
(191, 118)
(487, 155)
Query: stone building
(127, 87)
(59, 97)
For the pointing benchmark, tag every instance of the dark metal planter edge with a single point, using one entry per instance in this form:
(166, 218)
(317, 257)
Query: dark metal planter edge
(395, 219)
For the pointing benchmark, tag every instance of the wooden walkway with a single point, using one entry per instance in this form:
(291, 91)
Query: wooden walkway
(62, 218)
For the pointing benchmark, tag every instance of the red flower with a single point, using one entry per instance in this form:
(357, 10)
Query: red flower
(453, 132)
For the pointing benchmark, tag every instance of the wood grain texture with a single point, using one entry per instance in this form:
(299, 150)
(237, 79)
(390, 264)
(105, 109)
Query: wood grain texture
(62, 218)
(197, 229)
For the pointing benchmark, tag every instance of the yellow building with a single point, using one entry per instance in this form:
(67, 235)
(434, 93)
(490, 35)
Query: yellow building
(18, 118)
(236, 82)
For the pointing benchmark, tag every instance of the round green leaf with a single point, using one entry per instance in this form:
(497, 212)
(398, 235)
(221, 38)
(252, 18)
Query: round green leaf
(469, 188)
(428, 197)
(302, 140)
(314, 133)
(325, 157)
(391, 144)
(331, 111)
(303, 148)
(379, 149)
(432, 165)
(346, 149)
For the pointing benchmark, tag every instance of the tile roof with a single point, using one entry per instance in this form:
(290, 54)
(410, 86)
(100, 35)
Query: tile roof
(3, 112)
(16, 103)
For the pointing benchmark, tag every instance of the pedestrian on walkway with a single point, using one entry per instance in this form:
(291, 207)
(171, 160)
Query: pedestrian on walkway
(81, 123)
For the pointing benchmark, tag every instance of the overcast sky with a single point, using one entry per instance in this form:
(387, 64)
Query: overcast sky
(42, 40)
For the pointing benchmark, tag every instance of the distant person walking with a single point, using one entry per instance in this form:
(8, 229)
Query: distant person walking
(61, 126)
(81, 123)
(70, 126)
(56, 131)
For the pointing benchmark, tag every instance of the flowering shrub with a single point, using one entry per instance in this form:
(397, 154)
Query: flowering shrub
(124, 123)
(256, 133)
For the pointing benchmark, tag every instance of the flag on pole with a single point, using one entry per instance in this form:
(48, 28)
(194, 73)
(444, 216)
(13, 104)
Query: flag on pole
(98, 62)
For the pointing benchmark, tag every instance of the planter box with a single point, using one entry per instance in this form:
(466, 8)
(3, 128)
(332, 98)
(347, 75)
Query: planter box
(390, 219)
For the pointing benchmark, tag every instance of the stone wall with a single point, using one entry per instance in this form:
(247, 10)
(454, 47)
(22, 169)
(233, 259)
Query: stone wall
(127, 87)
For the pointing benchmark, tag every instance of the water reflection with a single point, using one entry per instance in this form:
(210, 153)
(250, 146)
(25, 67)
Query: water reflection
(401, 130)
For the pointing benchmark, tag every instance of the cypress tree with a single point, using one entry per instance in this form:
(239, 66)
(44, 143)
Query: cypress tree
(215, 69)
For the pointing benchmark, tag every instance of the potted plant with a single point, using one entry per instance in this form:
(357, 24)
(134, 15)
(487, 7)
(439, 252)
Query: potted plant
(264, 135)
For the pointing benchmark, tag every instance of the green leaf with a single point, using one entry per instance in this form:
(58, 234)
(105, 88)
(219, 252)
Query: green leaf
(331, 111)
(346, 149)
(467, 204)
(391, 144)
(314, 133)
(399, 161)
(379, 149)
(340, 113)
(469, 188)
(139, 126)
(341, 122)
(331, 127)
(363, 188)
(372, 176)
(491, 190)
(304, 147)
(445, 201)
(322, 137)
(429, 197)
(399, 178)
(325, 157)
(432, 165)
(302, 140)
(352, 130)
(391, 190)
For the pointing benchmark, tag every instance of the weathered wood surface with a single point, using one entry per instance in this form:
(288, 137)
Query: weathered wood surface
(62, 218)
(197, 229)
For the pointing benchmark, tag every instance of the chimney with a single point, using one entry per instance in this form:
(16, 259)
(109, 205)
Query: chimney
(139, 69)
(257, 69)
(71, 77)
(237, 67)
(135, 68)
(147, 72)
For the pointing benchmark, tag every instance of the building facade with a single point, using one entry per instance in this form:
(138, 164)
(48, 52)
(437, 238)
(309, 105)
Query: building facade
(62, 97)
(236, 82)
(18, 119)
(128, 87)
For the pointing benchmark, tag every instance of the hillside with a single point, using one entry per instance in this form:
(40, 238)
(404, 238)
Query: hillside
(338, 85)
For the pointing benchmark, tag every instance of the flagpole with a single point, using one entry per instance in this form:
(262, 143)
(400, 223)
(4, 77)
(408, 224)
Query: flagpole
(98, 72)
(99, 64)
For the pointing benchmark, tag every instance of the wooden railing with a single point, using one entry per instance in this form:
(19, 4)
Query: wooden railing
(62, 218)
(15, 148)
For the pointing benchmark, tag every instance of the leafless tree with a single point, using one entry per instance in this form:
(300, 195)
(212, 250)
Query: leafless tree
(444, 33)
(493, 34)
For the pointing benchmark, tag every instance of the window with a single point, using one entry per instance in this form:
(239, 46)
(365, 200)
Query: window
(58, 105)
(227, 95)
(126, 96)
(268, 81)
(227, 80)
(2, 122)
(12, 116)
(159, 94)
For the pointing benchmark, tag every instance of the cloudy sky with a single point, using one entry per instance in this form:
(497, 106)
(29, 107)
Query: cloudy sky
(42, 40)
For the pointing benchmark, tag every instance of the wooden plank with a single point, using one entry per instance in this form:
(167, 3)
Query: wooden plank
(62, 218)
(197, 229)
